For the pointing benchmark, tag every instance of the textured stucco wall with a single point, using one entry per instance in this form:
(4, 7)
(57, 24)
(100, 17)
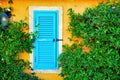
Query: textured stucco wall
(21, 10)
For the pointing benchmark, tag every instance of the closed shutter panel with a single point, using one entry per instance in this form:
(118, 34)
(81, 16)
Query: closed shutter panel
(45, 52)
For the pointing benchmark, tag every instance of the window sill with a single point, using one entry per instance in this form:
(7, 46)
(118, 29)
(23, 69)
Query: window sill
(47, 71)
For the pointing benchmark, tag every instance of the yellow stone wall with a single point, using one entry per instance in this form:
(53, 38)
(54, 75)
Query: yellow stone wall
(21, 10)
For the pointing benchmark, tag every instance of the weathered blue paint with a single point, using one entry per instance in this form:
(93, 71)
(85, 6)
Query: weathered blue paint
(46, 46)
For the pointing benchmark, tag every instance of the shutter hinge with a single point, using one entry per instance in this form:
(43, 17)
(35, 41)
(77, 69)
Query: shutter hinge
(35, 59)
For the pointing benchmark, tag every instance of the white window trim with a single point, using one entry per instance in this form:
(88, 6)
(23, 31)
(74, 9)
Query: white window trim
(31, 19)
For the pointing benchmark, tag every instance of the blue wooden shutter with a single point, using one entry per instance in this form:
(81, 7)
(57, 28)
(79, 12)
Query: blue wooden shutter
(46, 50)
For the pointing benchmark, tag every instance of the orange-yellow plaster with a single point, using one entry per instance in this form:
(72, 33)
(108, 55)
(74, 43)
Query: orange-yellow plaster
(21, 10)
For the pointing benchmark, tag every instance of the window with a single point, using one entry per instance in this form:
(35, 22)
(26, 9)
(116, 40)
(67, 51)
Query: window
(47, 45)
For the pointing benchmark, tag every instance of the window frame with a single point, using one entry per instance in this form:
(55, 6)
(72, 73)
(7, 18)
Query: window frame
(31, 28)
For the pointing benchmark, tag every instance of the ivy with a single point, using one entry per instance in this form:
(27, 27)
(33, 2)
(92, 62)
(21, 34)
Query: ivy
(13, 42)
(100, 29)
